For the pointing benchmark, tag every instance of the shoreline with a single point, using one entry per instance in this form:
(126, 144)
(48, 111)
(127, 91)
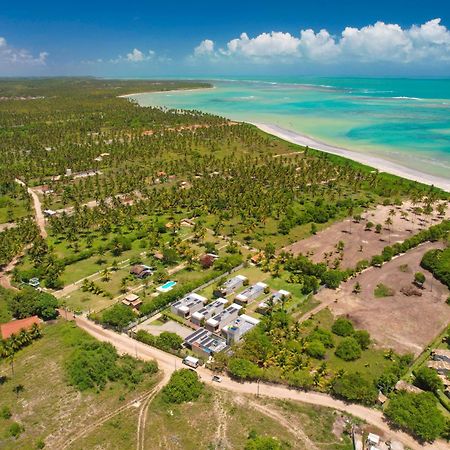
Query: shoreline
(369, 160)
(166, 91)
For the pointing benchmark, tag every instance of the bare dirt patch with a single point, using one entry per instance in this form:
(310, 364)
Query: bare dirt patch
(406, 323)
(360, 243)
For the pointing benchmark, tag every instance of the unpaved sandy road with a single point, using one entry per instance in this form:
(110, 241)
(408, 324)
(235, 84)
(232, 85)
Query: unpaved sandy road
(169, 363)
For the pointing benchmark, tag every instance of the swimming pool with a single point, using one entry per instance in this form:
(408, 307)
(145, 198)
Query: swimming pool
(167, 286)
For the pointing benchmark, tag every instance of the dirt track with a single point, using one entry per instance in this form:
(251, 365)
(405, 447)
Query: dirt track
(169, 363)
(404, 323)
(360, 243)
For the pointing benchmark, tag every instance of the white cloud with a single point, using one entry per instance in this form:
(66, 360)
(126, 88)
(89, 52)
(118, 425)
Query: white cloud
(206, 47)
(135, 56)
(380, 42)
(15, 56)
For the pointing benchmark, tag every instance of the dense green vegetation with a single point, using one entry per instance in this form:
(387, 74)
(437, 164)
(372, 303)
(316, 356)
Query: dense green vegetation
(417, 414)
(93, 364)
(438, 263)
(184, 386)
(167, 341)
(30, 302)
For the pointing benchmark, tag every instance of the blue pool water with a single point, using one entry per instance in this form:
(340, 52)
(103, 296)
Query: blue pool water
(168, 285)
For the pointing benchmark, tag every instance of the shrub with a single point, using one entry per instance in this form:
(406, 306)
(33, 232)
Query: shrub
(15, 430)
(348, 349)
(355, 388)
(243, 369)
(315, 349)
(363, 338)
(383, 291)
(118, 316)
(301, 379)
(416, 413)
(428, 380)
(30, 302)
(5, 412)
(324, 336)
(342, 327)
(184, 386)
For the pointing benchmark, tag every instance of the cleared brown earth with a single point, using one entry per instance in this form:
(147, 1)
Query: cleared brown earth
(360, 243)
(404, 323)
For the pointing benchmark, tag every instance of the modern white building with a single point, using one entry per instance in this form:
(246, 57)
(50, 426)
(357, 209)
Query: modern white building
(188, 305)
(217, 322)
(230, 286)
(205, 343)
(208, 311)
(250, 294)
(273, 299)
(236, 329)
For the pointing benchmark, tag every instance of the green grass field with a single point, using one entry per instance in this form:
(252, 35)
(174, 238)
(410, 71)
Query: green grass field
(47, 407)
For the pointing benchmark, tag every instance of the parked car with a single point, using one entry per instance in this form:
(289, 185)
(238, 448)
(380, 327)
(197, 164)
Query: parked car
(217, 379)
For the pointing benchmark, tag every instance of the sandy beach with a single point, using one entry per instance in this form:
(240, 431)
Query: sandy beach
(166, 91)
(369, 160)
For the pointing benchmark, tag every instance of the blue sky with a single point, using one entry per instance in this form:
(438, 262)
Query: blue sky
(143, 38)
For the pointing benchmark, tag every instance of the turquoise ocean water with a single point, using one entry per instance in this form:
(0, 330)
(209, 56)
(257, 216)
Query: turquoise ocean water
(406, 121)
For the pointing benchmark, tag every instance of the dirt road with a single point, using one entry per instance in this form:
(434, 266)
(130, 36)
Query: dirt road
(169, 363)
(38, 214)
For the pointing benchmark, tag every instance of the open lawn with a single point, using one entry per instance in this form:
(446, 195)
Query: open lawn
(404, 323)
(47, 407)
(372, 362)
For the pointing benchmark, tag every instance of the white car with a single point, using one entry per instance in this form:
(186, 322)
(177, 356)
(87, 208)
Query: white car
(217, 379)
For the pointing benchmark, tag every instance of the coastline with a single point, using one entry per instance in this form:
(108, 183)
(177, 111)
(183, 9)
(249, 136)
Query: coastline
(166, 91)
(373, 161)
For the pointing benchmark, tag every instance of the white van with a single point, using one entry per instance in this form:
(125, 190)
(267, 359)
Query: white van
(191, 361)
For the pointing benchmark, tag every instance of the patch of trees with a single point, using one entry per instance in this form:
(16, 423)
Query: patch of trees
(417, 414)
(93, 364)
(167, 341)
(31, 302)
(304, 271)
(184, 386)
(117, 317)
(258, 442)
(355, 387)
(438, 263)
(9, 347)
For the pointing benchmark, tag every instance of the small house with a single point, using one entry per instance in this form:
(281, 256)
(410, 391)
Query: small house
(208, 311)
(207, 260)
(205, 343)
(141, 271)
(133, 301)
(16, 326)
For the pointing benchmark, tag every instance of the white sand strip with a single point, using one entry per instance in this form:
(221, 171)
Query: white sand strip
(373, 161)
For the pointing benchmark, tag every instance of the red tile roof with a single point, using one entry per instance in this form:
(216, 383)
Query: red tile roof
(14, 327)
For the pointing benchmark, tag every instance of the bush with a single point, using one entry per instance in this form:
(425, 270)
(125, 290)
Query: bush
(15, 430)
(348, 349)
(363, 338)
(242, 369)
(30, 302)
(256, 442)
(92, 366)
(355, 388)
(428, 380)
(169, 342)
(383, 291)
(184, 386)
(5, 412)
(342, 327)
(416, 413)
(315, 349)
(118, 316)
(301, 379)
(324, 336)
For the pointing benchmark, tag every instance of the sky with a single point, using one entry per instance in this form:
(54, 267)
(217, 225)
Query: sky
(207, 38)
